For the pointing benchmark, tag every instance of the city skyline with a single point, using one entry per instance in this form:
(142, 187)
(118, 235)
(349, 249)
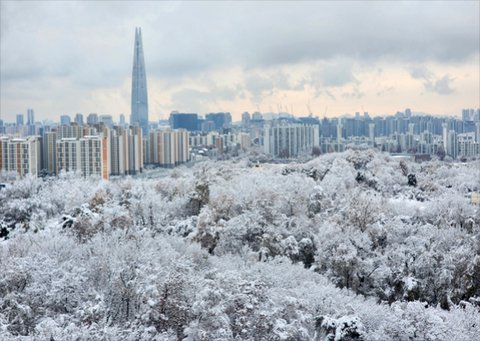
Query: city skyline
(326, 58)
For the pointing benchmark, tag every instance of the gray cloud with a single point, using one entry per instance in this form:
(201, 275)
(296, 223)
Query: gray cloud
(333, 74)
(431, 82)
(194, 100)
(420, 72)
(185, 38)
(261, 86)
(385, 91)
(441, 86)
(90, 44)
(328, 94)
(355, 93)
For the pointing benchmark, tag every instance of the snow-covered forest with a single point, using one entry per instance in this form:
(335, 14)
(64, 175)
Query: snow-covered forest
(350, 246)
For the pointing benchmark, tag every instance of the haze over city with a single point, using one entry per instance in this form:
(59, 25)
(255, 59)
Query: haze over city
(336, 58)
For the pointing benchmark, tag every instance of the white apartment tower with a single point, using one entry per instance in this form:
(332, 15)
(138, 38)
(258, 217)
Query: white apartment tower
(290, 139)
(168, 148)
(68, 155)
(20, 155)
(88, 155)
(126, 150)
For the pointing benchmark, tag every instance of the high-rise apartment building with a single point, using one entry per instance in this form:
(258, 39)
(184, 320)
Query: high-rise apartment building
(445, 135)
(288, 140)
(49, 155)
(68, 154)
(87, 155)
(168, 148)
(20, 155)
(452, 144)
(92, 156)
(126, 150)
(139, 113)
(371, 133)
(70, 131)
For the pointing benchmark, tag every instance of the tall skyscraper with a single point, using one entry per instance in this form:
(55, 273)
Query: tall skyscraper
(30, 122)
(30, 117)
(139, 86)
(79, 119)
(122, 120)
(19, 120)
(92, 119)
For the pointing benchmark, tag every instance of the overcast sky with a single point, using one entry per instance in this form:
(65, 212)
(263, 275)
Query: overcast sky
(64, 57)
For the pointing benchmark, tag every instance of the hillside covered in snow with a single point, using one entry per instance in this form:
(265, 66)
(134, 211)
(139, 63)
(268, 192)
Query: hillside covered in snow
(350, 246)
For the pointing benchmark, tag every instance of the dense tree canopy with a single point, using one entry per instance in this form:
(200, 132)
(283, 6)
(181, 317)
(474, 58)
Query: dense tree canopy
(349, 246)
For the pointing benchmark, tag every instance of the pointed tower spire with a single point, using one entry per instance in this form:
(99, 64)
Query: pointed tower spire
(139, 85)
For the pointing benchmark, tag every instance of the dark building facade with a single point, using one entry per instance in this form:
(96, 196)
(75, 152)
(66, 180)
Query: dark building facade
(187, 121)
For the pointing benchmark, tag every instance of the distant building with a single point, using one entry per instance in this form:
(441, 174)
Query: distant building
(31, 128)
(19, 120)
(371, 134)
(107, 120)
(92, 119)
(477, 131)
(245, 120)
(79, 119)
(452, 144)
(122, 120)
(220, 119)
(256, 116)
(30, 117)
(65, 120)
(187, 121)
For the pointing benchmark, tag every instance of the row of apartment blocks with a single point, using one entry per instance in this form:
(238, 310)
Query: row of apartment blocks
(221, 142)
(456, 145)
(102, 151)
(93, 151)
